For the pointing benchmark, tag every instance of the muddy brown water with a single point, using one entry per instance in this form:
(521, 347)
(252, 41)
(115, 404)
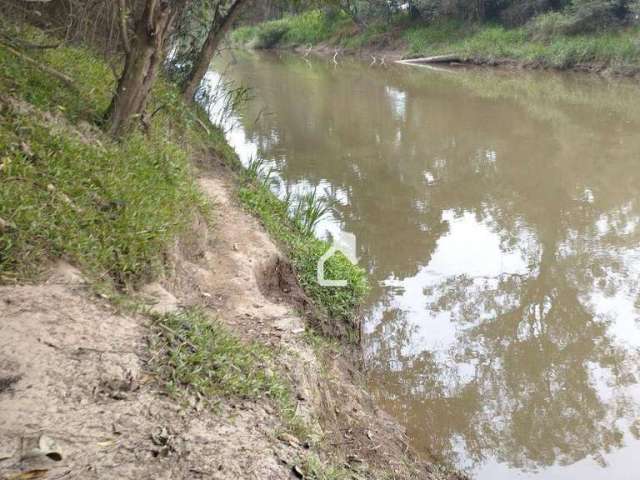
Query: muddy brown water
(498, 216)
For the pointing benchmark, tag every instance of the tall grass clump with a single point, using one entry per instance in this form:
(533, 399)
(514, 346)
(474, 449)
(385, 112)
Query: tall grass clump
(310, 27)
(309, 210)
(270, 34)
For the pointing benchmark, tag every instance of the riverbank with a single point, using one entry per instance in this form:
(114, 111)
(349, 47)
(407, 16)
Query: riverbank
(538, 45)
(151, 327)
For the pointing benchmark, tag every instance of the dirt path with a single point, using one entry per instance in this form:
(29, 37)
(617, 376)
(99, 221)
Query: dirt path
(77, 399)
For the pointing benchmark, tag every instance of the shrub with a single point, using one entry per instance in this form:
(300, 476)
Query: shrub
(309, 27)
(244, 35)
(587, 16)
(269, 34)
(520, 12)
(582, 17)
(549, 25)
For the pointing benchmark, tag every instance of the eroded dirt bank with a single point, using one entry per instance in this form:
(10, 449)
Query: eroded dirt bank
(78, 398)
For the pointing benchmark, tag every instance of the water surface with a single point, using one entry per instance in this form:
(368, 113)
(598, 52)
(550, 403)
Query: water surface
(498, 217)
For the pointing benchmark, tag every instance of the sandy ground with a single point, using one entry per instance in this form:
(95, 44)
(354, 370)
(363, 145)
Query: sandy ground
(77, 399)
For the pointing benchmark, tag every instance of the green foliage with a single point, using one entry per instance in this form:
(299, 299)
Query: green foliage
(308, 28)
(548, 26)
(269, 34)
(490, 43)
(423, 38)
(308, 212)
(586, 16)
(199, 356)
(304, 251)
(111, 208)
(582, 17)
(372, 34)
(434, 26)
(92, 76)
(244, 35)
(313, 468)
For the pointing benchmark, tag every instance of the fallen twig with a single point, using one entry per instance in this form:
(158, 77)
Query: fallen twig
(17, 42)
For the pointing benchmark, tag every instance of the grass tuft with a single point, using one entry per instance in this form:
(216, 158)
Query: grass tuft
(313, 468)
(197, 356)
(201, 357)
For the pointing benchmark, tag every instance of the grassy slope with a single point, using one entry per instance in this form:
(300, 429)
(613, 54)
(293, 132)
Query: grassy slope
(70, 192)
(618, 49)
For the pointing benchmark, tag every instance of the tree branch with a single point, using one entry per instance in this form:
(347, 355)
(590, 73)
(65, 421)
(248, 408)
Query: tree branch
(124, 31)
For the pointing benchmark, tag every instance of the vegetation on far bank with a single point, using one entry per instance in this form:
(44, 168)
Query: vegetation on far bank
(579, 35)
(486, 44)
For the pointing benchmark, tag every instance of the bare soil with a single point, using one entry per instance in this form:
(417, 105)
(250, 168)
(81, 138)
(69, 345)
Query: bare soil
(78, 399)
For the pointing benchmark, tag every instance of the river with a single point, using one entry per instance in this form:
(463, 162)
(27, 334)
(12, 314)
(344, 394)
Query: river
(498, 217)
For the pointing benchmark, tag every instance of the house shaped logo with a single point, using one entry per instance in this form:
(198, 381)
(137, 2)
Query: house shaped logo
(345, 243)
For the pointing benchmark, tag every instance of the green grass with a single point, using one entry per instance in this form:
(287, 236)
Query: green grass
(354, 38)
(615, 49)
(304, 250)
(68, 191)
(313, 468)
(92, 76)
(197, 357)
(308, 28)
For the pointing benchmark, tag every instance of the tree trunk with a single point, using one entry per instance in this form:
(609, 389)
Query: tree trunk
(219, 27)
(143, 60)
